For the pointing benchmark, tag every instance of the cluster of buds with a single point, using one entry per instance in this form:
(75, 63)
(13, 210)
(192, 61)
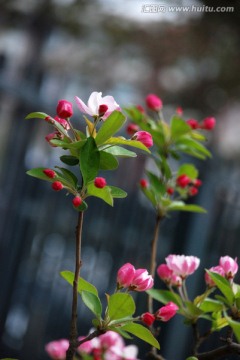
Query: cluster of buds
(227, 268)
(177, 269)
(133, 279)
(185, 182)
(165, 313)
(207, 124)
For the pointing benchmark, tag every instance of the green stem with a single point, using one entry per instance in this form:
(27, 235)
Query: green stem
(73, 342)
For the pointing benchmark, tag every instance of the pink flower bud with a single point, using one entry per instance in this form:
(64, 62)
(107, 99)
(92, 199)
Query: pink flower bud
(57, 185)
(144, 137)
(175, 281)
(166, 312)
(179, 111)
(63, 122)
(125, 275)
(164, 273)
(142, 281)
(100, 182)
(64, 109)
(154, 102)
(57, 349)
(197, 182)
(51, 136)
(216, 269)
(183, 180)
(143, 183)
(170, 190)
(192, 191)
(102, 109)
(229, 266)
(147, 318)
(49, 173)
(77, 201)
(193, 123)
(132, 129)
(182, 265)
(109, 339)
(208, 123)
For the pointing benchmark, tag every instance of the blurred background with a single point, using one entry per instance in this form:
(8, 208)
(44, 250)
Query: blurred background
(56, 49)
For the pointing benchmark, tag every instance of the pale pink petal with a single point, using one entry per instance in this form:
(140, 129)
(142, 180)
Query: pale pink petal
(94, 101)
(83, 107)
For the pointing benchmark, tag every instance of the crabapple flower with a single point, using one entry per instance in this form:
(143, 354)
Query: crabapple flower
(125, 275)
(154, 102)
(77, 201)
(142, 281)
(165, 273)
(166, 312)
(132, 129)
(183, 180)
(95, 104)
(85, 347)
(143, 183)
(109, 339)
(182, 265)
(216, 269)
(64, 109)
(49, 173)
(125, 353)
(193, 123)
(100, 182)
(147, 318)
(57, 349)
(208, 123)
(57, 185)
(229, 266)
(144, 137)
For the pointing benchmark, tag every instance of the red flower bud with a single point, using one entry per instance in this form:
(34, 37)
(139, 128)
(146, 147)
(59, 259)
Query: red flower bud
(166, 312)
(179, 111)
(154, 102)
(132, 129)
(100, 182)
(147, 318)
(102, 109)
(50, 173)
(63, 122)
(57, 185)
(144, 137)
(197, 182)
(140, 108)
(77, 201)
(183, 180)
(209, 123)
(170, 191)
(64, 109)
(193, 123)
(143, 183)
(192, 191)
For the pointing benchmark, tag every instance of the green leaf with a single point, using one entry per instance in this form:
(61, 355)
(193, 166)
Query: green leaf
(165, 296)
(69, 160)
(192, 147)
(181, 206)
(83, 285)
(116, 192)
(164, 166)
(142, 333)
(122, 141)
(223, 285)
(120, 151)
(178, 127)
(107, 161)
(76, 145)
(188, 169)
(104, 193)
(156, 183)
(82, 207)
(192, 358)
(149, 193)
(211, 305)
(36, 115)
(120, 331)
(68, 176)
(110, 126)
(89, 160)
(120, 305)
(93, 302)
(235, 325)
(39, 174)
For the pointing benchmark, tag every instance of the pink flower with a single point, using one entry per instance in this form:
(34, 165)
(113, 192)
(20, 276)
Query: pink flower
(193, 123)
(229, 266)
(100, 182)
(85, 347)
(63, 122)
(126, 353)
(49, 173)
(125, 275)
(64, 109)
(109, 339)
(216, 269)
(147, 318)
(166, 312)
(57, 185)
(176, 280)
(208, 123)
(132, 129)
(182, 265)
(183, 180)
(94, 102)
(142, 281)
(143, 183)
(154, 102)
(164, 272)
(57, 349)
(144, 137)
(77, 201)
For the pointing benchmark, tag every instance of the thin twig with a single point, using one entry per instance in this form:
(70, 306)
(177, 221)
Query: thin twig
(232, 348)
(73, 343)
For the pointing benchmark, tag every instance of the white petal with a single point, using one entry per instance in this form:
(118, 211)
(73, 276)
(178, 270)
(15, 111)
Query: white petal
(94, 101)
(82, 106)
